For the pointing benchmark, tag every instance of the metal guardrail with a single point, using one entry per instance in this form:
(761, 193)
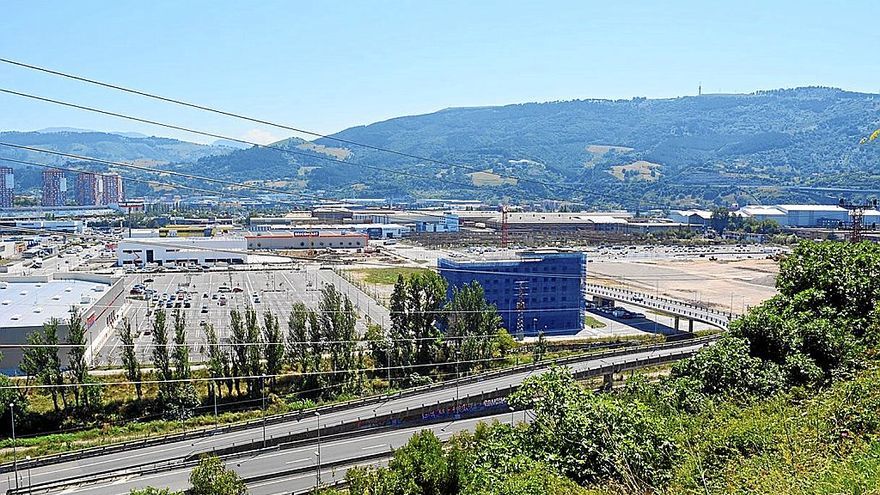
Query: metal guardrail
(297, 415)
(401, 419)
(711, 316)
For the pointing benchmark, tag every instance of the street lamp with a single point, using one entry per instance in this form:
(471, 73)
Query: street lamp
(14, 450)
(318, 453)
(28, 459)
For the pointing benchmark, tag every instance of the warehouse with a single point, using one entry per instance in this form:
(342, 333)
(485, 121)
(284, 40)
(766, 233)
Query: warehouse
(561, 222)
(307, 240)
(173, 251)
(28, 302)
(552, 284)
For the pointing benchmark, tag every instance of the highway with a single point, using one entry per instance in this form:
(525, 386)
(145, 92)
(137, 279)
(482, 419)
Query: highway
(463, 394)
(287, 470)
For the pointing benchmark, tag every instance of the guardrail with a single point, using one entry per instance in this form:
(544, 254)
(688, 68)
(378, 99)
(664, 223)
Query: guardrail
(471, 406)
(324, 410)
(711, 316)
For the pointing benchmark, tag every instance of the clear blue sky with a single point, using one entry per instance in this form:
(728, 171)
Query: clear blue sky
(333, 64)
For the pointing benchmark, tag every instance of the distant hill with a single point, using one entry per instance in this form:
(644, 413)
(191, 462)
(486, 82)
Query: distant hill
(636, 153)
(777, 146)
(144, 150)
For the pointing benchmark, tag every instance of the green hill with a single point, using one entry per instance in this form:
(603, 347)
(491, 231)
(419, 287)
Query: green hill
(144, 150)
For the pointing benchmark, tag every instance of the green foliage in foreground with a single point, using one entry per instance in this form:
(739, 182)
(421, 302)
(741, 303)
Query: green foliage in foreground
(209, 477)
(787, 402)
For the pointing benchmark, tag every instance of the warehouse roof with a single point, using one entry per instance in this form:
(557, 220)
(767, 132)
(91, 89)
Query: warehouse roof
(26, 304)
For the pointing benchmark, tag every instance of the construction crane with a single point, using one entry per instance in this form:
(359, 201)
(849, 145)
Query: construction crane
(505, 234)
(857, 216)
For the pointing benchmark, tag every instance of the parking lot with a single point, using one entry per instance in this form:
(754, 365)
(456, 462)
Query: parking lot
(274, 291)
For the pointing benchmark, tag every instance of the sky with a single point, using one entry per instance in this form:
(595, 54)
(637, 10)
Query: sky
(325, 66)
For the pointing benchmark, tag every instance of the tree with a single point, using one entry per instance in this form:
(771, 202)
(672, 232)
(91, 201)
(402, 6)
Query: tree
(161, 359)
(401, 335)
(129, 358)
(540, 347)
(211, 477)
(720, 219)
(426, 295)
(218, 361)
(79, 369)
(594, 439)
(184, 396)
(274, 346)
(471, 326)
(253, 352)
(40, 360)
(298, 337)
(239, 347)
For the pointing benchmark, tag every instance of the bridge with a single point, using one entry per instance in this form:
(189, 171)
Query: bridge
(604, 295)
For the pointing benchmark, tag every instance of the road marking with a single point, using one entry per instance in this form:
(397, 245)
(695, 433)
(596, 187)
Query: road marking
(304, 459)
(380, 446)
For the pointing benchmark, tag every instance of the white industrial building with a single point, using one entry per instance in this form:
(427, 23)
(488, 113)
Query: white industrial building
(308, 240)
(804, 215)
(814, 215)
(174, 251)
(26, 303)
(691, 217)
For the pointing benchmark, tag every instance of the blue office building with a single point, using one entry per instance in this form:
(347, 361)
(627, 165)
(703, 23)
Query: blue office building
(552, 282)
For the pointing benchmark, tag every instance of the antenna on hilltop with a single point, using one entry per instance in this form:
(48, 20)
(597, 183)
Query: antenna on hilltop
(700, 88)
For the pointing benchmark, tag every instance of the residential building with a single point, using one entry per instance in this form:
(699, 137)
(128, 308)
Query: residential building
(7, 184)
(112, 191)
(88, 189)
(54, 188)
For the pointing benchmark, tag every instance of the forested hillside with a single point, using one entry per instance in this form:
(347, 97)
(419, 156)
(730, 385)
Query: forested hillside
(143, 150)
(635, 153)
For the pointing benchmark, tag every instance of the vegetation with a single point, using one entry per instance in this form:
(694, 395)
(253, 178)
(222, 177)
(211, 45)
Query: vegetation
(388, 276)
(787, 402)
(209, 477)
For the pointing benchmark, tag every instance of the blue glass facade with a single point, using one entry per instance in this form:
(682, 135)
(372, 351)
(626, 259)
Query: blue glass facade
(553, 283)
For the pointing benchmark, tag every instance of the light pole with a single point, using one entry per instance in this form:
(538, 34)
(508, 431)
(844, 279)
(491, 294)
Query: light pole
(28, 460)
(14, 450)
(263, 392)
(318, 454)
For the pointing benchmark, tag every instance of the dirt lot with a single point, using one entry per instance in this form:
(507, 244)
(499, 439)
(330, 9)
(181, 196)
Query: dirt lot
(723, 284)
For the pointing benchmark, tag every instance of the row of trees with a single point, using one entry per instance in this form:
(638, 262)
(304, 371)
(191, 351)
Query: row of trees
(319, 356)
(43, 364)
(427, 331)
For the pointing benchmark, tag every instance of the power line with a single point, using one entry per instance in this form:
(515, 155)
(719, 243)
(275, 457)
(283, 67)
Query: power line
(273, 124)
(251, 377)
(238, 140)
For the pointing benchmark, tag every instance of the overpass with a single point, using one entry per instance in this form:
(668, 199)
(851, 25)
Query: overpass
(677, 309)
(166, 461)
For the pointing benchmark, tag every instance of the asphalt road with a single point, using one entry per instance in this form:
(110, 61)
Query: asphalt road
(158, 454)
(302, 459)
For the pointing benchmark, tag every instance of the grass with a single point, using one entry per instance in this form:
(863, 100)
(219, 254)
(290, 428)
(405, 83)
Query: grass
(388, 276)
(802, 442)
(593, 322)
(490, 179)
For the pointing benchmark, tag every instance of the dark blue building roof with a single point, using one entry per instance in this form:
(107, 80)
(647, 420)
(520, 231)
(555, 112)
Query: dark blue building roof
(552, 281)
